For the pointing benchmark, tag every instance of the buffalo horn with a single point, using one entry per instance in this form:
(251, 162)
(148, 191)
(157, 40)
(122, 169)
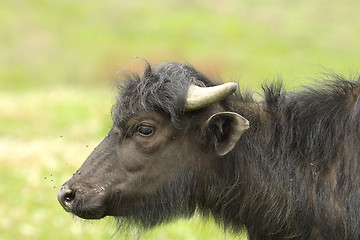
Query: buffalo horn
(200, 97)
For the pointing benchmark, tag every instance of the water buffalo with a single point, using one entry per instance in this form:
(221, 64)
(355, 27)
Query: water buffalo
(285, 167)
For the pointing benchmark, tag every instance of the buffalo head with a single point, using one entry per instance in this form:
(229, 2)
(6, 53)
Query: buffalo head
(171, 127)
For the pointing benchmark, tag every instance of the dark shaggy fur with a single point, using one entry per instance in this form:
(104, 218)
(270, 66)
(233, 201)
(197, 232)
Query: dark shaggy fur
(161, 89)
(293, 175)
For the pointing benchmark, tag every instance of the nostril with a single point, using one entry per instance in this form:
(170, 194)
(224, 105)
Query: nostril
(66, 196)
(69, 196)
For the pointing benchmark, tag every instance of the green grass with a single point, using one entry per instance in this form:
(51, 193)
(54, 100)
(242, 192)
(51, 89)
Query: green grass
(58, 60)
(86, 43)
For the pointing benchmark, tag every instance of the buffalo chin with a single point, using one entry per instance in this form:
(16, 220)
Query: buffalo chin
(89, 213)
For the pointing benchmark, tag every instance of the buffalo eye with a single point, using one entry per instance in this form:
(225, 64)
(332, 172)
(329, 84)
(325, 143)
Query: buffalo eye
(145, 130)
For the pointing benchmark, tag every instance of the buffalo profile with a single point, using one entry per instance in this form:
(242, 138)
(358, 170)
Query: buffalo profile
(285, 167)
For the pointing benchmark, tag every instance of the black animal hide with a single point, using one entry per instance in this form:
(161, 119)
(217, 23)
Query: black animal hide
(293, 175)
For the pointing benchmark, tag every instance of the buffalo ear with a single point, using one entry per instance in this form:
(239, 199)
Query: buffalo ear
(223, 130)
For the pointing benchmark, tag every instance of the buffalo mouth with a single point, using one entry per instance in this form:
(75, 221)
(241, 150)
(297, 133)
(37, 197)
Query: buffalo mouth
(82, 203)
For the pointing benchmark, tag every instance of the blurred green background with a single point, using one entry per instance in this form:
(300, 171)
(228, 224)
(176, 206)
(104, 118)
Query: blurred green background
(59, 58)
